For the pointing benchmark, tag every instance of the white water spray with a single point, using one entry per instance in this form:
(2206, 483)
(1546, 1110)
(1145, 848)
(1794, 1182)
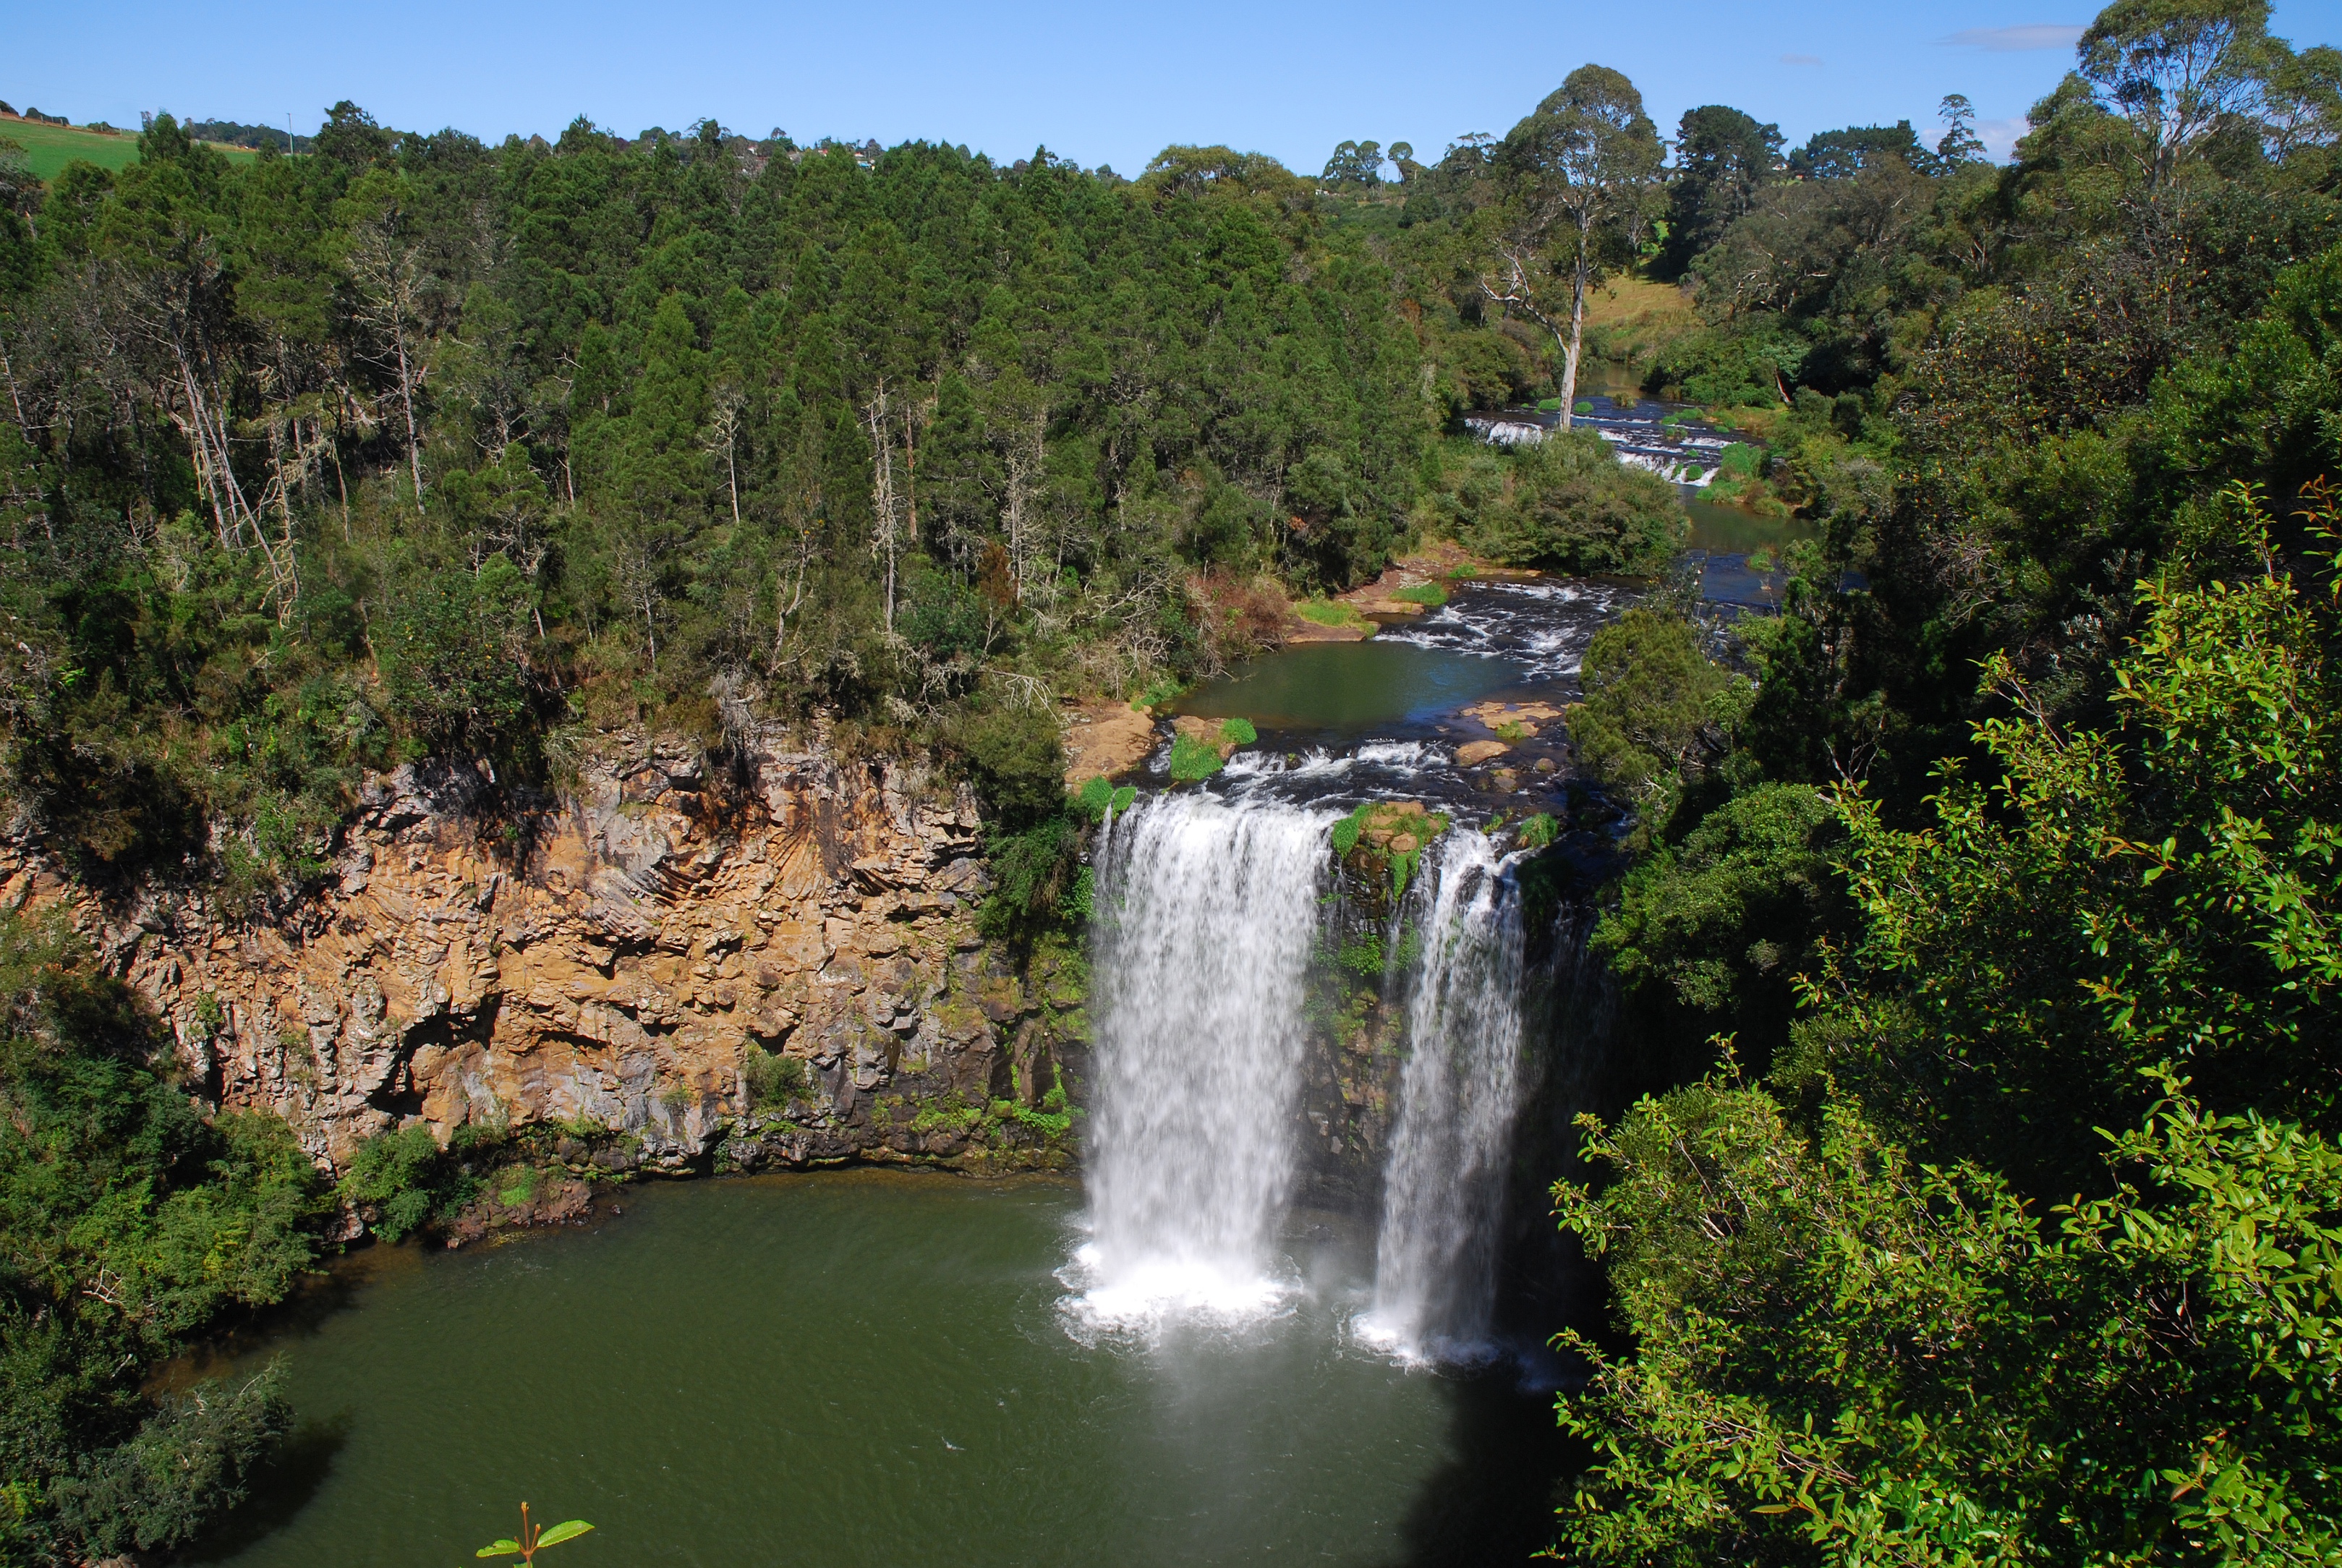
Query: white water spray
(1459, 1094)
(1206, 915)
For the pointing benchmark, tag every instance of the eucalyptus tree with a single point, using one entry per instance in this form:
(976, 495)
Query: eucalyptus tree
(2178, 70)
(1585, 173)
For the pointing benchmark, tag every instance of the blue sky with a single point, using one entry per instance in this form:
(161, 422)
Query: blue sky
(1099, 83)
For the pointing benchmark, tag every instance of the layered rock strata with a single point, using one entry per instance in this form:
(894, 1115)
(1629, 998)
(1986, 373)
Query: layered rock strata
(614, 962)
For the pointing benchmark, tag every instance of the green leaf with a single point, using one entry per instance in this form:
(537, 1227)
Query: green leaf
(499, 1549)
(569, 1530)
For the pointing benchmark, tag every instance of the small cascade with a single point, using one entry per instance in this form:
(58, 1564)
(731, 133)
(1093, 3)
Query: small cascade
(1459, 1095)
(1206, 913)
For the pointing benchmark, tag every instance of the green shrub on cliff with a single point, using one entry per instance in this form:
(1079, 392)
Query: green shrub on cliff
(1038, 881)
(395, 1174)
(1659, 713)
(1016, 760)
(774, 1080)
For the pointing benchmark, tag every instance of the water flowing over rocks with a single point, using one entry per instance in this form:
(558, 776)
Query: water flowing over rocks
(610, 958)
(1460, 1092)
(1300, 1006)
(1207, 921)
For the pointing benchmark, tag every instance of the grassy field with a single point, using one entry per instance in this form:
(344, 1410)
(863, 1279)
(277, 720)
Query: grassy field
(51, 147)
(1638, 302)
(1629, 319)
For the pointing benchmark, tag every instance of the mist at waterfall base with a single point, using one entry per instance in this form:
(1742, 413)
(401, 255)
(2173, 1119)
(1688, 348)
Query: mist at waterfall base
(1210, 916)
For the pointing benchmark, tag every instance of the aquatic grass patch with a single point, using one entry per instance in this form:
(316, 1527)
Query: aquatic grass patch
(1369, 957)
(1099, 796)
(1192, 761)
(1334, 613)
(1052, 1119)
(522, 1187)
(1158, 692)
(1402, 866)
(961, 1119)
(1239, 732)
(1430, 595)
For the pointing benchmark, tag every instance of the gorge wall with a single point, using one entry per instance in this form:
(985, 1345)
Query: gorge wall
(610, 958)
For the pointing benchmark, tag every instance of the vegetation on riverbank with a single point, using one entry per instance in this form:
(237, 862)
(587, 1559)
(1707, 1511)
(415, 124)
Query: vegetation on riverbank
(1983, 1209)
(479, 448)
(131, 1222)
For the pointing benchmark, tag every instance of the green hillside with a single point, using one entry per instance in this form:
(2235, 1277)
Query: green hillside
(52, 147)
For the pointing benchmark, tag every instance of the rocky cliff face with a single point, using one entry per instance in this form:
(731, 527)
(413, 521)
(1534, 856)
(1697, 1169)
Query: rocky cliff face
(617, 960)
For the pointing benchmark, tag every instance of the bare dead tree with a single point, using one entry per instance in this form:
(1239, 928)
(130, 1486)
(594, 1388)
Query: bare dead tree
(1025, 457)
(389, 287)
(723, 439)
(886, 528)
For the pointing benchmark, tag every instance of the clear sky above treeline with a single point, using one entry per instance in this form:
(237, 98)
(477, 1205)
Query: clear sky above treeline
(1095, 82)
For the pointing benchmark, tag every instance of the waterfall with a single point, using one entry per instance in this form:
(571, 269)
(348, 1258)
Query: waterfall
(1459, 1092)
(1207, 915)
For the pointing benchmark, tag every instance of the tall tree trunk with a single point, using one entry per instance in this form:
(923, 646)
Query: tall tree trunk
(14, 402)
(882, 496)
(406, 400)
(911, 475)
(1576, 344)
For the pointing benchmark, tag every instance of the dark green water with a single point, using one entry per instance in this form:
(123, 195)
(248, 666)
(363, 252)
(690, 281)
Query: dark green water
(1729, 531)
(1342, 692)
(863, 1368)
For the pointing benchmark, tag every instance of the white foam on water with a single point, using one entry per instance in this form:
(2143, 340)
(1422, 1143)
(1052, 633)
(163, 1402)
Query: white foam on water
(1148, 1300)
(1405, 755)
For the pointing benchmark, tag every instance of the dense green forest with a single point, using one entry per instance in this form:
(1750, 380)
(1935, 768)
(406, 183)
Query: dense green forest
(1987, 929)
(1978, 941)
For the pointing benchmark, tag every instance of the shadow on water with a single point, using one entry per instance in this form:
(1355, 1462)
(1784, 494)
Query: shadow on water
(315, 1299)
(1492, 1503)
(280, 1489)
